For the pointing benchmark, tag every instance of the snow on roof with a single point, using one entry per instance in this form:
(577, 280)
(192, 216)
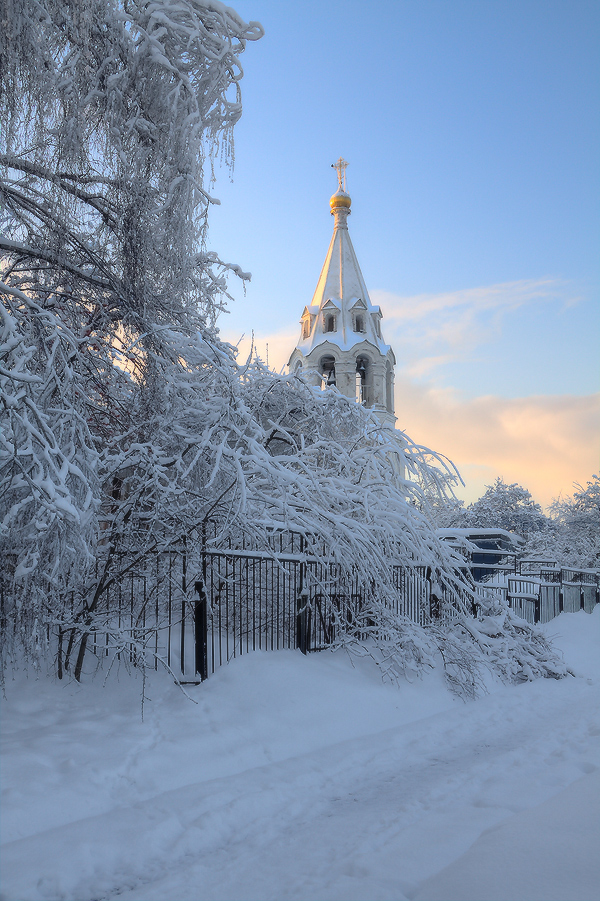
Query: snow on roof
(473, 534)
(341, 285)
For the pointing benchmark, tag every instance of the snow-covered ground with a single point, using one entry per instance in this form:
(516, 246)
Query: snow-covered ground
(305, 778)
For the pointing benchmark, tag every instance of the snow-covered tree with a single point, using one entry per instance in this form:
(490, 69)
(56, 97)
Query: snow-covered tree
(572, 536)
(509, 507)
(583, 513)
(111, 110)
(126, 424)
(442, 507)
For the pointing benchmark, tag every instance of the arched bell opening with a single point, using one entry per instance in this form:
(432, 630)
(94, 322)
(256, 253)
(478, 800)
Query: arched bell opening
(363, 380)
(327, 369)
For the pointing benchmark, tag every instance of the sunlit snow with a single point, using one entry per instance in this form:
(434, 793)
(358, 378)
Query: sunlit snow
(305, 778)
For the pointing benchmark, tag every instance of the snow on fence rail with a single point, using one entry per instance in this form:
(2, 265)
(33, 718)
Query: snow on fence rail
(539, 598)
(195, 608)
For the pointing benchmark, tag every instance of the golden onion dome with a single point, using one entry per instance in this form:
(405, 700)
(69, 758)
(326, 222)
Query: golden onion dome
(340, 199)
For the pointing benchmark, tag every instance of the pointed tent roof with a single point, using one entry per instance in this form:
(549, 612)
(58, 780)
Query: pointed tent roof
(341, 283)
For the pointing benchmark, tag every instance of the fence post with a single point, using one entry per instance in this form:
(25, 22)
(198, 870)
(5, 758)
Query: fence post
(302, 621)
(201, 632)
(537, 611)
(183, 605)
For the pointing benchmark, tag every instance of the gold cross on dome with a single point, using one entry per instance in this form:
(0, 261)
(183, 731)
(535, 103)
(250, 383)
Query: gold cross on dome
(340, 168)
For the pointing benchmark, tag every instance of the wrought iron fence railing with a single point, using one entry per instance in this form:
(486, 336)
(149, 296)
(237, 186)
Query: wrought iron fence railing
(540, 596)
(195, 607)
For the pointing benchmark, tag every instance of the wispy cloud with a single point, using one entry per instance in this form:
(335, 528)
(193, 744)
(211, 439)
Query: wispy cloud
(506, 295)
(430, 331)
(427, 331)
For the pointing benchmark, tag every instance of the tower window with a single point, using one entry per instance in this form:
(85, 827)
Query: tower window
(330, 322)
(305, 328)
(359, 323)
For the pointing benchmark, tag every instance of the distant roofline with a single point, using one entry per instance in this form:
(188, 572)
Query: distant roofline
(470, 534)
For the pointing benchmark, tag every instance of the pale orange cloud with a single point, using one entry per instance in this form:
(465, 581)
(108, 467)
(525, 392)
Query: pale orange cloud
(545, 443)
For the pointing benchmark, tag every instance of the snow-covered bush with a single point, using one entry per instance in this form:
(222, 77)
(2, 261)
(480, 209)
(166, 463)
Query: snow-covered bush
(476, 635)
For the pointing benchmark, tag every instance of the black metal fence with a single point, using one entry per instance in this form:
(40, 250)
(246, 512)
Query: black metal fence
(539, 596)
(196, 608)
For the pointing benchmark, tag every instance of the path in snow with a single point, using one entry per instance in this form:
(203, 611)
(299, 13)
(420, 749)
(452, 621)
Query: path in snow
(249, 796)
(373, 816)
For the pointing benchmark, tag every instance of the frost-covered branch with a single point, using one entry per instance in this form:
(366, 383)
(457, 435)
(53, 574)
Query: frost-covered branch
(111, 111)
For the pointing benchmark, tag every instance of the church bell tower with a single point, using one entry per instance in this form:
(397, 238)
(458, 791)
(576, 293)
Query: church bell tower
(340, 332)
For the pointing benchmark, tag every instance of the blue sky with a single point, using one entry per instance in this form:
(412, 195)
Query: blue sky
(473, 137)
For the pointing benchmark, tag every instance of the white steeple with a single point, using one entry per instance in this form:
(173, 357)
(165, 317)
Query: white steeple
(340, 339)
